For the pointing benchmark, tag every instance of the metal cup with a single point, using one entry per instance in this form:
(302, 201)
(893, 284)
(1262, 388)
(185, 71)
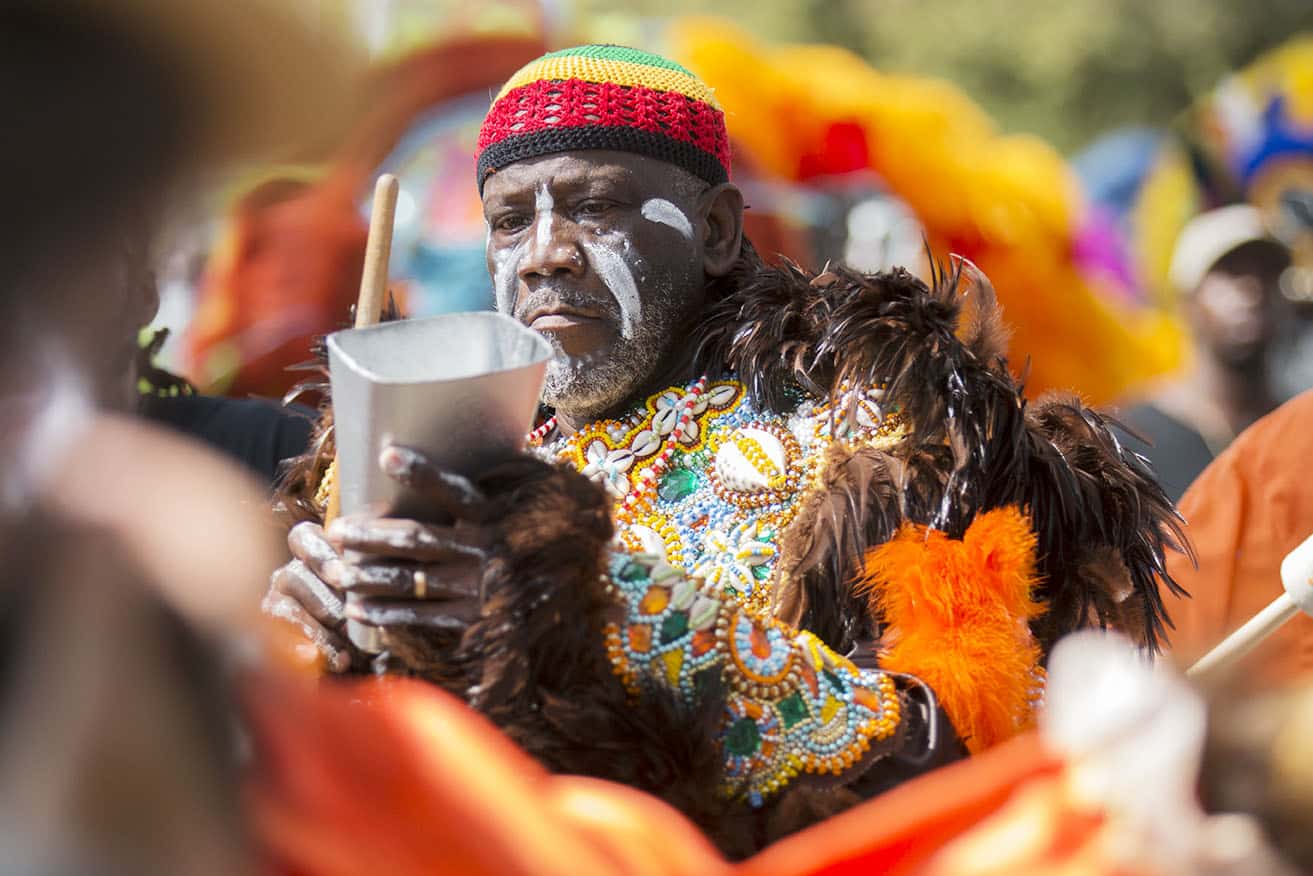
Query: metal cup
(460, 388)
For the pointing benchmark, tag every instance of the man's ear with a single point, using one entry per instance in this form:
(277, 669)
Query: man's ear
(722, 228)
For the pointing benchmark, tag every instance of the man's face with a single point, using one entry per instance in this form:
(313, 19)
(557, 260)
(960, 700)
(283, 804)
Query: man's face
(599, 251)
(1237, 308)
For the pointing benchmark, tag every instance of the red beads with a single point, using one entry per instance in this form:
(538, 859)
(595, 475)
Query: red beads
(537, 435)
(651, 476)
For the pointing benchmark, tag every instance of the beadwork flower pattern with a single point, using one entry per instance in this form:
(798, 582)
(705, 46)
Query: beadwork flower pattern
(609, 467)
(737, 561)
(793, 707)
(719, 494)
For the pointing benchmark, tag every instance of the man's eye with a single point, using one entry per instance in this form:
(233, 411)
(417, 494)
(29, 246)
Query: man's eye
(510, 223)
(592, 207)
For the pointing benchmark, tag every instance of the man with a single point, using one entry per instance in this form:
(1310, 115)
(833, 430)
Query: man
(793, 467)
(1227, 268)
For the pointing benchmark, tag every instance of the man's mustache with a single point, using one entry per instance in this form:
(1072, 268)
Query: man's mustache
(554, 296)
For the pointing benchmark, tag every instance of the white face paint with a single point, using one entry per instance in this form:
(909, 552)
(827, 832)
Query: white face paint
(616, 273)
(506, 275)
(506, 263)
(589, 384)
(542, 208)
(662, 211)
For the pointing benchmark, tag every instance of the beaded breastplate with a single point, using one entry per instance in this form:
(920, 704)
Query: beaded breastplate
(704, 485)
(707, 482)
(793, 708)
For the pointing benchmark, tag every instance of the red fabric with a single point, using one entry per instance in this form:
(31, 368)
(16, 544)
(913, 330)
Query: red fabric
(843, 150)
(545, 105)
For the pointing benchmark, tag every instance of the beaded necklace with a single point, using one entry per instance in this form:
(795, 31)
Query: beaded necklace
(701, 477)
(639, 495)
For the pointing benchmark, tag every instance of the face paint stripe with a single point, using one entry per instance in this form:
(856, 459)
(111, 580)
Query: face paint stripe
(662, 211)
(610, 265)
(543, 206)
(506, 276)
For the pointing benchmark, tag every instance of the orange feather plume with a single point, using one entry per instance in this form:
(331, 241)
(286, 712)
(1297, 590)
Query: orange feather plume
(957, 617)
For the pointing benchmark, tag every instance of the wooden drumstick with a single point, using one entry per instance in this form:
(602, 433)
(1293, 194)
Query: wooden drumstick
(369, 309)
(378, 251)
(373, 285)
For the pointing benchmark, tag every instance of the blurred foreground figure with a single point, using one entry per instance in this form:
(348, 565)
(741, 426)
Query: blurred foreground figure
(1227, 269)
(116, 753)
(744, 476)
(1105, 787)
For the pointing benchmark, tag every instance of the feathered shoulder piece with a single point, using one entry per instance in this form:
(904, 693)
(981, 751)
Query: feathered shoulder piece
(972, 444)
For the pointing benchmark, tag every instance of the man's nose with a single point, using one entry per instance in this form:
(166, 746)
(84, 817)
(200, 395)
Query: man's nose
(553, 248)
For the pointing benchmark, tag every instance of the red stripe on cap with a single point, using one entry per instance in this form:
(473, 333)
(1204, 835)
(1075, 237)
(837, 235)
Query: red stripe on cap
(573, 103)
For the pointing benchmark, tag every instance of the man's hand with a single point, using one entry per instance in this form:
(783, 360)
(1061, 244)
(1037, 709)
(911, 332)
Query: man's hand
(398, 573)
(302, 593)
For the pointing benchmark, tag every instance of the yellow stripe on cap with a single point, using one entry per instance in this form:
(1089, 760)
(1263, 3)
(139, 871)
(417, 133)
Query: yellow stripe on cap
(603, 70)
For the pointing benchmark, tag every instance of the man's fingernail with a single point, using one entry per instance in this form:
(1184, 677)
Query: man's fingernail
(393, 461)
(334, 572)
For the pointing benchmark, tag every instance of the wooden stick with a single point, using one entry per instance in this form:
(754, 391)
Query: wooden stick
(369, 309)
(373, 285)
(378, 252)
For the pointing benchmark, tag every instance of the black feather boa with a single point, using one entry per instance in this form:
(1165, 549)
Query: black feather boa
(1103, 523)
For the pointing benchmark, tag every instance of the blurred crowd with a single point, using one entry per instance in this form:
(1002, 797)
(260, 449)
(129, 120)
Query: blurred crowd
(152, 720)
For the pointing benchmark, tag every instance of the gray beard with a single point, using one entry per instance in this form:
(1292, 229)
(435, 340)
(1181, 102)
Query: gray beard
(589, 386)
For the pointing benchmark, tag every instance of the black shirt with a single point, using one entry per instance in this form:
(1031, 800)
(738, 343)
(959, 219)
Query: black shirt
(257, 433)
(1179, 453)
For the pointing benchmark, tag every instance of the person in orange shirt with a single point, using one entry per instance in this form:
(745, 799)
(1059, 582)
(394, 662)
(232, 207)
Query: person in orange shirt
(1247, 510)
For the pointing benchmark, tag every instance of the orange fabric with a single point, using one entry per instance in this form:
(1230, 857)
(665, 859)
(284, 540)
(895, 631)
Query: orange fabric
(897, 833)
(393, 776)
(1248, 509)
(1040, 832)
(289, 270)
(957, 614)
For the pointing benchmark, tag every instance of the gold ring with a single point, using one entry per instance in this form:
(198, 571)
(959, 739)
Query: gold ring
(421, 584)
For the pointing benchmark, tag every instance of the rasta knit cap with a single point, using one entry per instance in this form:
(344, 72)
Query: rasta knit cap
(606, 97)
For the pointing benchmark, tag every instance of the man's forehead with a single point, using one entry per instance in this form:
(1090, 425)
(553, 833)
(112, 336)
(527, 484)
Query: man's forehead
(579, 167)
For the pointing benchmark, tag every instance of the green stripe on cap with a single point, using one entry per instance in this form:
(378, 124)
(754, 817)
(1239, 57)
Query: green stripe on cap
(619, 53)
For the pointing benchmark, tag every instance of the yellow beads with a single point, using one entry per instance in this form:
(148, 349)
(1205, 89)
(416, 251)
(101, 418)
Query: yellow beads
(752, 451)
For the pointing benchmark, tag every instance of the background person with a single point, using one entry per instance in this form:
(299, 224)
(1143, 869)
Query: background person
(1227, 269)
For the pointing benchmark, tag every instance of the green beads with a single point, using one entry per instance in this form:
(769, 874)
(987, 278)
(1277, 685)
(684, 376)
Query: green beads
(743, 738)
(792, 709)
(674, 626)
(678, 483)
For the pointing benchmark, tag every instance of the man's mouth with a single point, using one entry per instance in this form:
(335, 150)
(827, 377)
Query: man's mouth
(556, 318)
